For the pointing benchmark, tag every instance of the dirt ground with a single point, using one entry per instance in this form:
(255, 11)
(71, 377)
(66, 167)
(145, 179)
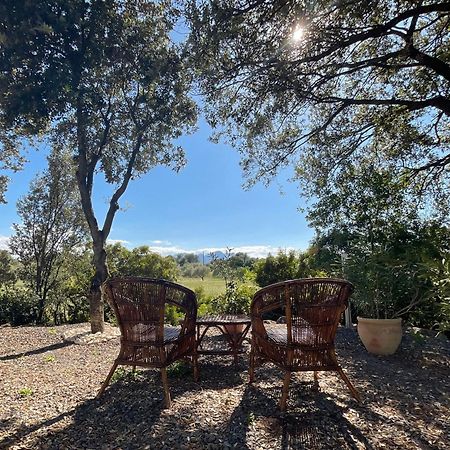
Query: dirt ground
(48, 387)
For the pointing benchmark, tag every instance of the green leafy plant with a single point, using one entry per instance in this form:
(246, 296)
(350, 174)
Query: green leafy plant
(25, 392)
(237, 296)
(235, 300)
(49, 358)
(123, 374)
(178, 369)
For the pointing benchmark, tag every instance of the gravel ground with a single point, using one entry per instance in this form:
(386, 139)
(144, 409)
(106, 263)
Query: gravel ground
(48, 386)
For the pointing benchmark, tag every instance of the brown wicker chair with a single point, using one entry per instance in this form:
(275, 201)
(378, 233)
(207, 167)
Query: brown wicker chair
(139, 305)
(313, 308)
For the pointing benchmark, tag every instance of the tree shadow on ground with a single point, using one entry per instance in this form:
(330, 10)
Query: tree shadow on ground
(37, 351)
(128, 415)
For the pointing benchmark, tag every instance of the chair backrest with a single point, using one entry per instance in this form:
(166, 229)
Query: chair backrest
(139, 304)
(313, 307)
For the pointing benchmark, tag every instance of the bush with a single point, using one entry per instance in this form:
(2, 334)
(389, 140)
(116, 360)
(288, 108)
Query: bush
(17, 305)
(236, 299)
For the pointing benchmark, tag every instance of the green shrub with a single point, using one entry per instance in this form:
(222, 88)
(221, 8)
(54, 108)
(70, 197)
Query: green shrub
(17, 305)
(235, 300)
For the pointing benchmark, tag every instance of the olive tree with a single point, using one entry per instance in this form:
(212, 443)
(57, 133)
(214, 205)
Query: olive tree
(104, 80)
(317, 84)
(52, 226)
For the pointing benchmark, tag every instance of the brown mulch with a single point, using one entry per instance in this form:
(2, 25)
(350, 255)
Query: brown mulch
(48, 387)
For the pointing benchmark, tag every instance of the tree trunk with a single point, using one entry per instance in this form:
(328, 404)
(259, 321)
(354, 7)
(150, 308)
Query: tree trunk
(96, 308)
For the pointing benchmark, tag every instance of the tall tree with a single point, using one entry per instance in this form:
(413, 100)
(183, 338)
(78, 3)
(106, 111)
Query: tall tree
(52, 225)
(108, 81)
(7, 272)
(141, 262)
(319, 83)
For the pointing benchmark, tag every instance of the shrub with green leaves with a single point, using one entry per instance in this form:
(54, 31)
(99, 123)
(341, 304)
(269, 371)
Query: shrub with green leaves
(17, 305)
(235, 300)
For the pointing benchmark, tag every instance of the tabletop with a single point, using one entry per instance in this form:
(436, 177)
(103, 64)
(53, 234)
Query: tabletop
(223, 319)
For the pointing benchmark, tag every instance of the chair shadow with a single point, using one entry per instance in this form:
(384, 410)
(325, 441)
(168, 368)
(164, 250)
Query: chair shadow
(130, 413)
(126, 415)
(37, 351)
(312, 421)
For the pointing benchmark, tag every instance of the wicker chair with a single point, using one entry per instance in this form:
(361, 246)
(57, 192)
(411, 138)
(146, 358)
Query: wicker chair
(313, 308)
(139, 305)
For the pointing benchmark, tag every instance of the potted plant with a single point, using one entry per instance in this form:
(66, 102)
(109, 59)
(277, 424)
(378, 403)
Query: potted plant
(386, 289)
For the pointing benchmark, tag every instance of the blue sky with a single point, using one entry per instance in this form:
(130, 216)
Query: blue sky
(201, 208)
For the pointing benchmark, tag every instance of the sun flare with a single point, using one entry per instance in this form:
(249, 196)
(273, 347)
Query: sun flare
(298, 34)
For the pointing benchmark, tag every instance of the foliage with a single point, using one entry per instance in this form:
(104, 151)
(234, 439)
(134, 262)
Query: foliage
(17, 305)
(367, 84)
(178, 369)
(392, 274)
(284, 266)
(140, 261)
(240, 260)
(439, 273)
(195, 270)
(237, 296)
(187, 258)
(7, 268)
(235, 300)
(70, 303)
(25, 392)
(52, 226)
(124, 374)
(107, 80)
(224, 267)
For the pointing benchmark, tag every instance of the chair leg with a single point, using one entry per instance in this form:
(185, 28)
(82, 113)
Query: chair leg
(251, 370)
(284, 396)
(166, 387)
(106, 382)
(316, 380)
(349, 384)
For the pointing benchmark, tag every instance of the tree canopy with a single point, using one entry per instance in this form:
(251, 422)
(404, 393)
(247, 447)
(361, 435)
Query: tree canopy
(104, 80)
(319, 84)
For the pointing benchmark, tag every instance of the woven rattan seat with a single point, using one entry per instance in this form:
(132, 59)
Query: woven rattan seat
(313, 308)
(139, 305)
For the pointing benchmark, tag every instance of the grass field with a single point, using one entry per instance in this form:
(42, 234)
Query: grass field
(212, 286)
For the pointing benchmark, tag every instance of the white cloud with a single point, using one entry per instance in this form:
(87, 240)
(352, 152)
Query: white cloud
(255, 251)
(165, 248)
(169, 250)
(4, 241)
(117, 241)
(260, 251)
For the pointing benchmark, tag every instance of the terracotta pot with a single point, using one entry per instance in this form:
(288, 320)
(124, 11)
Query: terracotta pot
(380, 336)
(234, 328)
